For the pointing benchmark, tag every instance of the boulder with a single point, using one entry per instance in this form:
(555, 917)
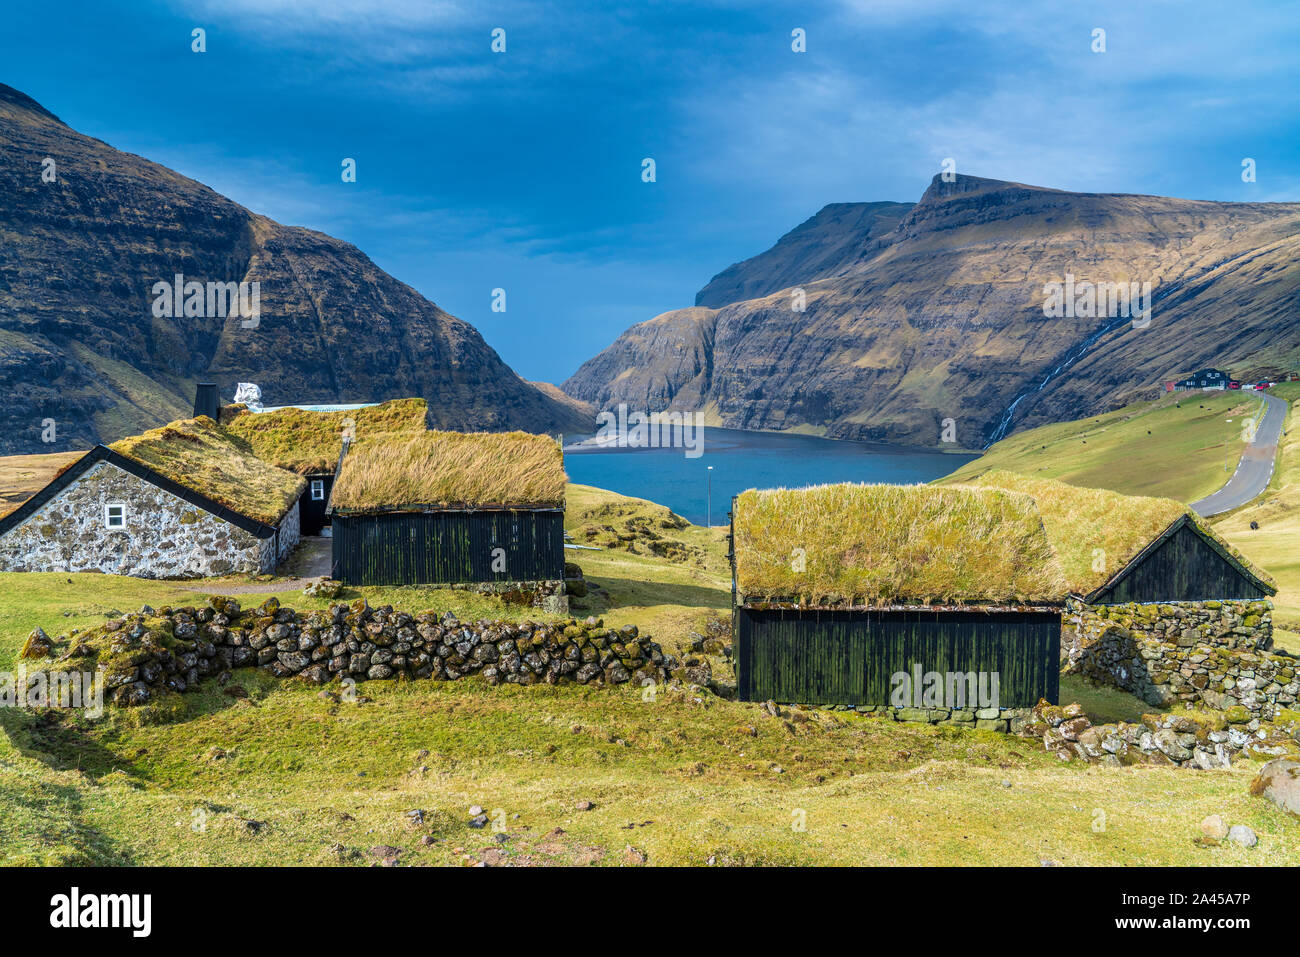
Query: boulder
(323, 588)
(37, 645)
(1279, 782)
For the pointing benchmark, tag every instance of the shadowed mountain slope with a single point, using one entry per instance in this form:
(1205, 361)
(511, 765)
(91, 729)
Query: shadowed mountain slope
(80, 344)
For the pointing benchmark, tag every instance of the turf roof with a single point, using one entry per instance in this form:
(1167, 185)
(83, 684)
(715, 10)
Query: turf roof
(204, 458)
(1096, 532)
(309, 442)
(451, 470)
(893, 545)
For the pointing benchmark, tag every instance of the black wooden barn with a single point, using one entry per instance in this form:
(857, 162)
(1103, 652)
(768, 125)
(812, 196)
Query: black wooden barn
(846, 652)
(458, 516)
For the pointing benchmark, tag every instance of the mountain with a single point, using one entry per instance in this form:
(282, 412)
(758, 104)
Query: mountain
(80, 343)
(821, 246)
(941, 316)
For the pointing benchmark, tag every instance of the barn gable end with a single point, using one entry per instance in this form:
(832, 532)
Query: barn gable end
(1182, 564)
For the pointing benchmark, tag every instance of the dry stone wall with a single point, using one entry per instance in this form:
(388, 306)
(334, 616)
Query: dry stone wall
(151, 653)
(1207, 653)
(164, 537)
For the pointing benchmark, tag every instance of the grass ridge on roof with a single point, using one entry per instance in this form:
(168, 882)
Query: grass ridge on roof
(205, 458)
(451, 470)
(1080, 521)
(309, 442)
(893, 544)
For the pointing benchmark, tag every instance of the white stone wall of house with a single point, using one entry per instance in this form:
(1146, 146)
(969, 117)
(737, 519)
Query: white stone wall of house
(164, 536)
(290, 532)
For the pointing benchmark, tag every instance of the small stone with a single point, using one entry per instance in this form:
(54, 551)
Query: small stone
(584, 805)
(634, 856)
(1213, 830)
(1243, 835)
(385, 853)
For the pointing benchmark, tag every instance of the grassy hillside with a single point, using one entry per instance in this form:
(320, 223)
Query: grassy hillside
(22, 476)
(285, 776)
(1173, 447)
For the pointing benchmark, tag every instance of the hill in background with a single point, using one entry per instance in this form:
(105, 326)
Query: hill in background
(79, 342)
(917, 314)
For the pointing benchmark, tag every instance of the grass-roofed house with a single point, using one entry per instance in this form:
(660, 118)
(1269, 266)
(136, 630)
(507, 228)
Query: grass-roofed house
(183, 501)
(452, 508)
(877, 596)
(1117, 548)
(309, 441)
(1159, 604)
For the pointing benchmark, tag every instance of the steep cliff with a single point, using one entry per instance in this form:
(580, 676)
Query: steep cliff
(942, 316)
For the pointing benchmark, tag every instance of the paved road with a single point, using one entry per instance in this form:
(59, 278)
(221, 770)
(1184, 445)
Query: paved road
(1256, 465)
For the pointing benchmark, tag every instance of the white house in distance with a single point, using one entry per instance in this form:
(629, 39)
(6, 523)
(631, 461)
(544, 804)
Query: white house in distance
(183, 501)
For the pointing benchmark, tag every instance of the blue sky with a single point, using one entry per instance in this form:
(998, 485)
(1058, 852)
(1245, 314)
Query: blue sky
(522, 170)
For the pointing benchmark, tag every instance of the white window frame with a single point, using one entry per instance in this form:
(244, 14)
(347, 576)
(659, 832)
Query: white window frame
(108, 520)
(318, 485)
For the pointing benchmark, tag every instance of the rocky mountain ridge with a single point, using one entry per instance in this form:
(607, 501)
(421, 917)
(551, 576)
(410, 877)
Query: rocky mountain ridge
(88, 231)
(936, 328)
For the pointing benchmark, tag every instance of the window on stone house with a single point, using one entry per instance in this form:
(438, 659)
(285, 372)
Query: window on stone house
(318, 490)
(115, 516)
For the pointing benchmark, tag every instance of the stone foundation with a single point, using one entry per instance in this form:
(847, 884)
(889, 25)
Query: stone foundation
(549, 595)
(1007, 720)
(1207, 653)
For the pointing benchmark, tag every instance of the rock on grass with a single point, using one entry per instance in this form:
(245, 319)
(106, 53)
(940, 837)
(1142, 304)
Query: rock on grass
(1279, 781)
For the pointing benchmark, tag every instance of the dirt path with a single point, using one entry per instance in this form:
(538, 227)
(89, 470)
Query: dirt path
(311, 559)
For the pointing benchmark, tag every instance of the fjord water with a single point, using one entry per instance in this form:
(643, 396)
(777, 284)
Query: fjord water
(744, 460)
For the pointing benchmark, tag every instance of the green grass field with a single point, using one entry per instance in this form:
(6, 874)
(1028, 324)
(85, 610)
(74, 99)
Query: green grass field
(284, 776)
(1176, 446)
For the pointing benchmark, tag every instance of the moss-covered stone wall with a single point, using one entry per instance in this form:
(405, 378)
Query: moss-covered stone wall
(1212, 653)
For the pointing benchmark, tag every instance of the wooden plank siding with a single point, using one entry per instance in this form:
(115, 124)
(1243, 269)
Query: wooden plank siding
(421, 548)
(849, 657)
(1182, 566)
